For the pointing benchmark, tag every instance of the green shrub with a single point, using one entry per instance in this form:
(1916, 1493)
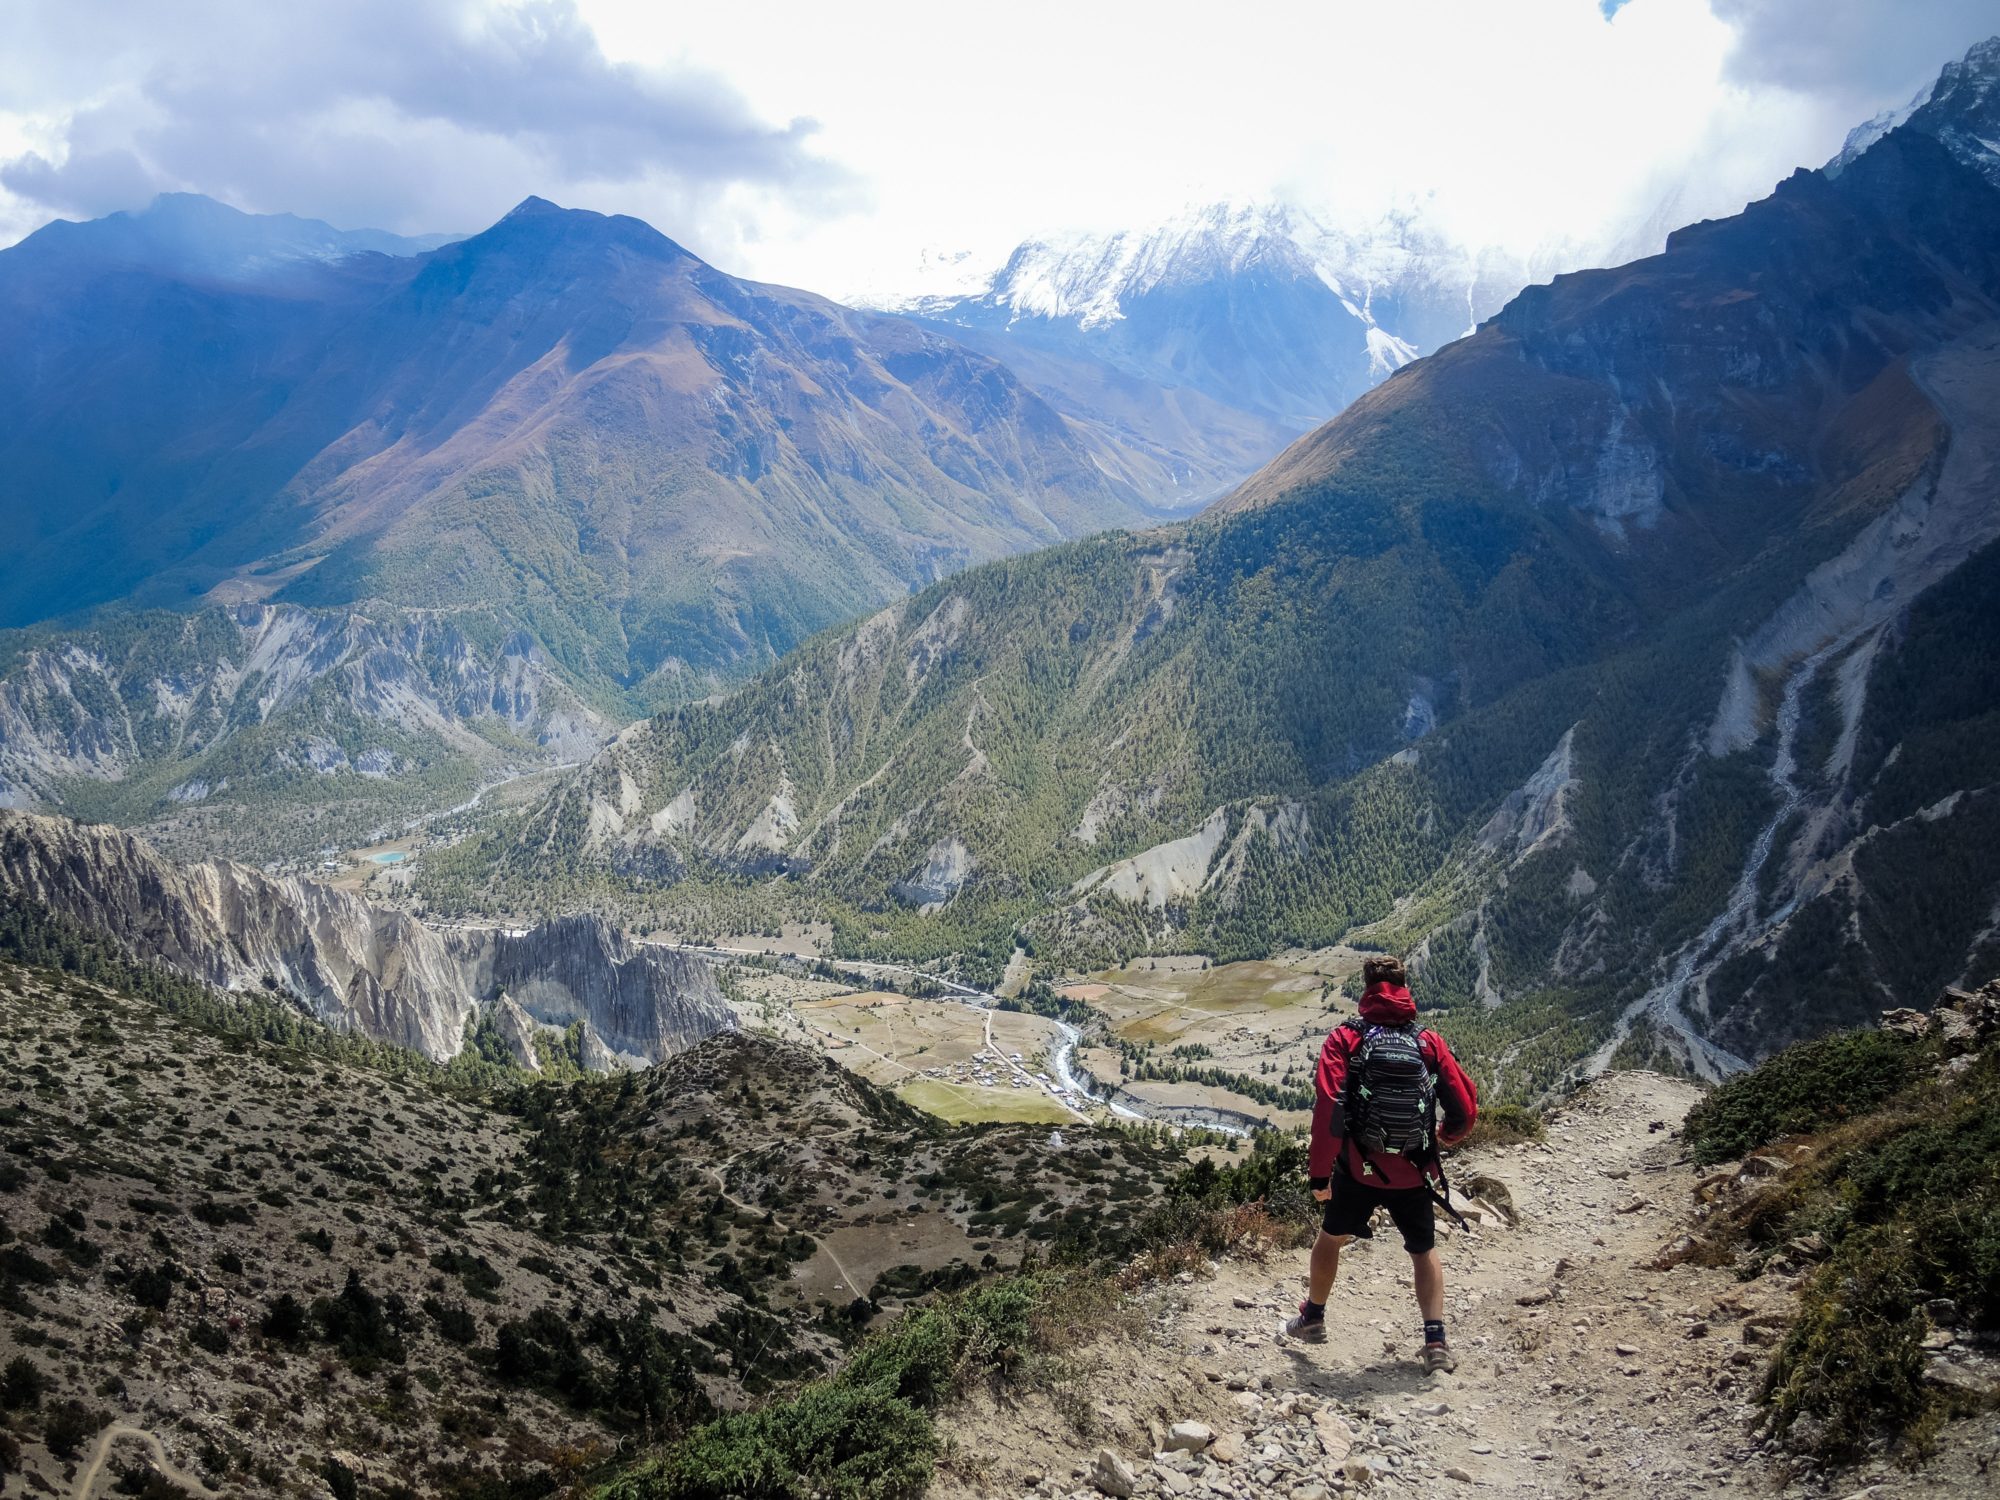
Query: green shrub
(924, 1357)
(453, 1319)
(1506, 1125)
(154, 1286)
(22, 1383)
(285, 1320)
(864, 1434)
(842, 1441)
(365, 1328)
(1807, 1087)
(70, 1425)
(1907, 1198)
(1853, 1364)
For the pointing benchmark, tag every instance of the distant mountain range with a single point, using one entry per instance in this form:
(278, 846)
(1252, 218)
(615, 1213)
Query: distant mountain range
(1242, 325)
(188, 235)
(443, 509)
(439, 512)
(1628, 661)
(650, 462)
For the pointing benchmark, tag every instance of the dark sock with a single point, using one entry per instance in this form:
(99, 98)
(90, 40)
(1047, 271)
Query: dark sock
(1433, 1331)
(1313, 1309)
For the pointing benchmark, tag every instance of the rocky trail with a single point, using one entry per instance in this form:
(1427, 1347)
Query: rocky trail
(1581, 1369)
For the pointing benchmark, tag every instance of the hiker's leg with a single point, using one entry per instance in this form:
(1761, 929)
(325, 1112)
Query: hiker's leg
(1429, 1275)
(1325, 1265)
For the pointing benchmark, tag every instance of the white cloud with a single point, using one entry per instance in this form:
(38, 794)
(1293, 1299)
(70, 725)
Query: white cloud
(401, 113)
(1515, 122)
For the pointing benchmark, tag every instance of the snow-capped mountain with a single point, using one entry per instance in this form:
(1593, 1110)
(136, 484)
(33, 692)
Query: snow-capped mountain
(1960, 108)
(1220, 333)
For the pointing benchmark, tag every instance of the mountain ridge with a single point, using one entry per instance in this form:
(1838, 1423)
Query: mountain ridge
(1600, 498)
(354, 425)
(1262, 320)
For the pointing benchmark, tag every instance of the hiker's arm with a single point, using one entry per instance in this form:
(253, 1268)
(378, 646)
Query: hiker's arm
(1458, 1097)
(1329, 1126)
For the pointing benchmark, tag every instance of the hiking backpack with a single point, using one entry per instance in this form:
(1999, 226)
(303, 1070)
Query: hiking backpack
(1391, 1091)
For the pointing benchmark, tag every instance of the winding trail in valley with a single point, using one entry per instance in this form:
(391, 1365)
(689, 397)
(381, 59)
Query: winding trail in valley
(86, 1479)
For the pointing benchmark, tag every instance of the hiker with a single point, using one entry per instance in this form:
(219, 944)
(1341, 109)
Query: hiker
(1383, 1082)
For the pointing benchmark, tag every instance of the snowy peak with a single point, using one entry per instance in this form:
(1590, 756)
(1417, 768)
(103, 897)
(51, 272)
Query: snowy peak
(1272, 317)
(1960, 108)
(1090, 277)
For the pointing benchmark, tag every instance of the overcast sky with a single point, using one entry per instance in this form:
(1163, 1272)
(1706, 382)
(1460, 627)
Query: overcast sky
(830, 144)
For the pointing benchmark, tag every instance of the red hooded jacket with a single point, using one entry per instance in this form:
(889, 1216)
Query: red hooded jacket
(1458, 1099)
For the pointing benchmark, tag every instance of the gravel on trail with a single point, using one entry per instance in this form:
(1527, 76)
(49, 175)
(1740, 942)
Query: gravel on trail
(1582, 1370)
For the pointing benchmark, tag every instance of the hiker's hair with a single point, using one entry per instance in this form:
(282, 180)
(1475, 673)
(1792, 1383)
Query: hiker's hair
(1388, 969)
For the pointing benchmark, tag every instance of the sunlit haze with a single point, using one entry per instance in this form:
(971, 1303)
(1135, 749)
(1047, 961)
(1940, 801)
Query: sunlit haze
(836, 146)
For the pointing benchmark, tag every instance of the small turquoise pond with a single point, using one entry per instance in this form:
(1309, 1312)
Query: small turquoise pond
(392, 857)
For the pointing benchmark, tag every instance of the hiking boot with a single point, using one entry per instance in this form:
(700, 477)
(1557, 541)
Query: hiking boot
(1307, 1329)
(1439, 1358)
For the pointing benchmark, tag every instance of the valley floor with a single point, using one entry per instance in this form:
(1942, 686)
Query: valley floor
(1582, 1371)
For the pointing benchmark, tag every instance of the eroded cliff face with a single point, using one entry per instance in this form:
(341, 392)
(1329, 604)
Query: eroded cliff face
(357, 966)
(643, 1004)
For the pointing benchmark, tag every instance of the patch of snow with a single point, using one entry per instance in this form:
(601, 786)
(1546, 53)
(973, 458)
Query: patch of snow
(1386, 353)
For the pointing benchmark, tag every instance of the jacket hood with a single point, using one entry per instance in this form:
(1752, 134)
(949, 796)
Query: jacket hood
(1388, 1005)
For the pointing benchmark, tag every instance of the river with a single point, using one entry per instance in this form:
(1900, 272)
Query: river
(1069, 1085)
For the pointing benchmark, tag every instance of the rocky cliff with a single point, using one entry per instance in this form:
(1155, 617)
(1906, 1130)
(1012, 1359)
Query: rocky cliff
(643, 1004)
(357, 966)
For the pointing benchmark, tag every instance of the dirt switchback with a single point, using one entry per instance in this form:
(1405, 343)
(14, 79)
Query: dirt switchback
(1582, 1370)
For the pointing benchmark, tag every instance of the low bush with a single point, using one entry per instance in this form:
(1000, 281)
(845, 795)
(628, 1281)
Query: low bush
(1506, 1125)
(22, 1383)
(836, 1439)
(864, 1434)
(1906, 1200)
(70, 1425)
(1804, 1088)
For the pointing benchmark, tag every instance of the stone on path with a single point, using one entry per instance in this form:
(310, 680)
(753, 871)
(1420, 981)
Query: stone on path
(1189, 1437)
(1113, 1475)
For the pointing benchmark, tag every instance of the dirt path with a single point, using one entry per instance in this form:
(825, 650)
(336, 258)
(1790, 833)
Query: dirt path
(1581, 1370)
(86, 1481)
(721, 1175)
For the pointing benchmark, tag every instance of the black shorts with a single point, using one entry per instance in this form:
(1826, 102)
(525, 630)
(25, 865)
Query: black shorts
(1353, 1204)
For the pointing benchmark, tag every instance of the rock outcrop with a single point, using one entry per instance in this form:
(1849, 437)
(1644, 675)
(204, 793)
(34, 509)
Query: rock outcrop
(358, 966)
(641, 1004)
